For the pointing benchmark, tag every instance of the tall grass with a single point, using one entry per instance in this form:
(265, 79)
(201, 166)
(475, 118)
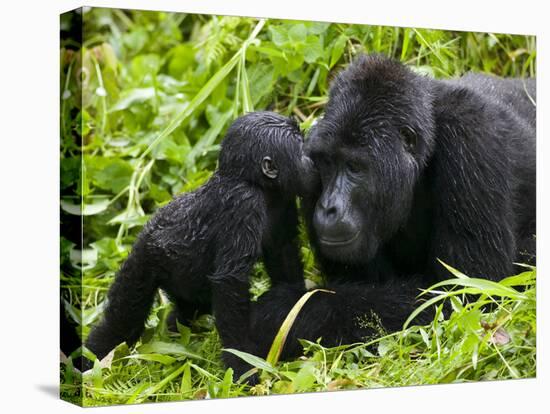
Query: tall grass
(151, 94)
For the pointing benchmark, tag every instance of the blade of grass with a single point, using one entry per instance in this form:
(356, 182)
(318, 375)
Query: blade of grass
(280, 338)
(455, 272)
(206, 90)
(159, 385)
(484, 286)
(253, 360)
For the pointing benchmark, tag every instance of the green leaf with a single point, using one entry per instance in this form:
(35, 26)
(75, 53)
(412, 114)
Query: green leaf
(135, 39)
(96, 374)
(69, 371)
(159, 385)
(318, 27)
(469, 321)
(482, 286)
(456, 304)
(173, 348)
(305, 378)
(270, 51)
(131, 97)
(253, 360)
(226, 383)
(384, 347)
(70, 171)
(278, 35)
(454, 271)
(182, 57)
(261, 78)
(185, 333)
(425, 337)
(208, 139)
(205, 91)
(280, 339)
(337, 50)
(130, 217)
(297, 33)
(523, 279)
(407, 34)
(144, 66)
(71, 208)
(247, 105)
(313, 49)
(163, 359)
(88, 208)
(108, 173)
(108, 56)
(475, 355)
(171, 151)
(186, 381)
(203, 372)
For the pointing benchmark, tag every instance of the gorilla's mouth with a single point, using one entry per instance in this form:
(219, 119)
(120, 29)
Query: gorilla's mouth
(331, 242)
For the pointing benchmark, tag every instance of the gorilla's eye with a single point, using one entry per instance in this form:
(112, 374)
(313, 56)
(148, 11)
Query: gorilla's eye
(408, 135)
(269, 169)
(353, 167)
(321, 161)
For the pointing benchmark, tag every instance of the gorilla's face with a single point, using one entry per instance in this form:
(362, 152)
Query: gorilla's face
(369, 150)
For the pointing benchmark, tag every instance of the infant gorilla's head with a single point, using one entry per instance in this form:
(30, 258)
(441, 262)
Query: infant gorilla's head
(265, 148)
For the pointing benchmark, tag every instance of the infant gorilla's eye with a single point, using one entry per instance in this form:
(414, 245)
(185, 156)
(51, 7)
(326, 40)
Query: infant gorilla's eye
(409, 138)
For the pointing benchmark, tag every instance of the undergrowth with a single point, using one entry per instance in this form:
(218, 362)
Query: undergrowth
(144, 104)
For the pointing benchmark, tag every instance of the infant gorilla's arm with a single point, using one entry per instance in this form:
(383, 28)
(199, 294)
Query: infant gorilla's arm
(349, 315)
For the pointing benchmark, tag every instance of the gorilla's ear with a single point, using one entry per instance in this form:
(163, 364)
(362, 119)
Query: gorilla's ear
(269, 169)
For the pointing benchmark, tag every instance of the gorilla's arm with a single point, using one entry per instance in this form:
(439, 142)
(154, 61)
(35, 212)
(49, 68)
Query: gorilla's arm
(231, 303)
(347, 316)
(281, 247)
(235, 258)
(472, 179)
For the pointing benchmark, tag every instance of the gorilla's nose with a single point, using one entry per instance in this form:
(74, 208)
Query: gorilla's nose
(331, 226)
(329, 209)
(331, 212)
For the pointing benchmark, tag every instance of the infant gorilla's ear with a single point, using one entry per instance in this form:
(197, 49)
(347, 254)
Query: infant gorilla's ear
(269, 169)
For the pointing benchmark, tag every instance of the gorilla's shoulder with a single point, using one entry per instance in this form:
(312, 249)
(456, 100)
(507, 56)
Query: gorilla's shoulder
(457, 104)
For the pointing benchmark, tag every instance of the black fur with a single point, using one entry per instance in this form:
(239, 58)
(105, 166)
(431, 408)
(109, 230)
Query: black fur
(353, 313)
(418, 169)
(413, 170)
(201, 247)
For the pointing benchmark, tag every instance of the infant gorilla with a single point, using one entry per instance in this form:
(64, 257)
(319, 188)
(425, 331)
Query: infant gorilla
(201, 247)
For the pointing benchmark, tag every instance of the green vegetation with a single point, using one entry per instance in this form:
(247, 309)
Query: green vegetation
(158, 91)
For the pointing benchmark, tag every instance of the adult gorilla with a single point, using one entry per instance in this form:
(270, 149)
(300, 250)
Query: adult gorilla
(413, 170)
